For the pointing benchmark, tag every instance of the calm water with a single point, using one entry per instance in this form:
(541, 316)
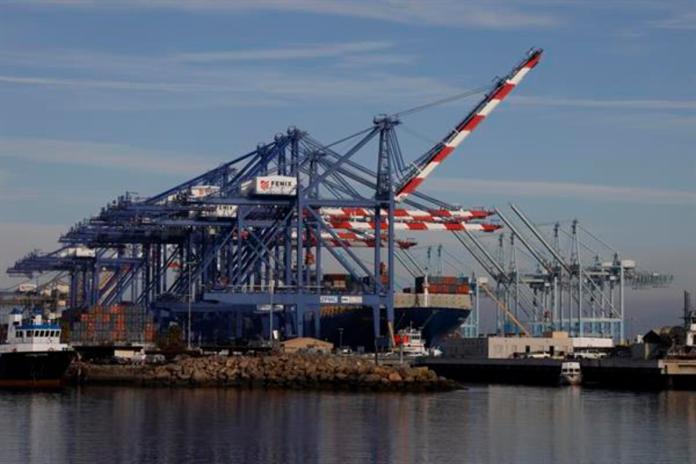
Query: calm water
(499, 424)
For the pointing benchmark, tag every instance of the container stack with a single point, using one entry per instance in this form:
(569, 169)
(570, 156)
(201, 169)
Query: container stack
(449, 285)
(339, 282)
(115, 324)
(335, 281)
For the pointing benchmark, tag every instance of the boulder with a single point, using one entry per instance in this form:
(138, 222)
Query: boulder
(275, 370)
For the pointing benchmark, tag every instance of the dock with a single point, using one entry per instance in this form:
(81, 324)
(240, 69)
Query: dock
(632, 374)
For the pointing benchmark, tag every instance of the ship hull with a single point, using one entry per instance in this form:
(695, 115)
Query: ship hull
(34, 369)
(357, 326)
(343, 326)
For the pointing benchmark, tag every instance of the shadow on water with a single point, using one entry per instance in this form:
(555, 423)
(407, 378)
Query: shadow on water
(482, 424)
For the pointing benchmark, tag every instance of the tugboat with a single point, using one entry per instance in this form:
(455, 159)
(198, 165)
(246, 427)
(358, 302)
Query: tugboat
(33, 356)
(410, 342)
(570, 373)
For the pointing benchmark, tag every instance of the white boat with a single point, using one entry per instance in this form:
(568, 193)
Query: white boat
(32, 355)
(570, 373)
(410, 342)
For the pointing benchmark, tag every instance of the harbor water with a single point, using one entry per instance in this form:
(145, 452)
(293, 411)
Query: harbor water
(480, 424)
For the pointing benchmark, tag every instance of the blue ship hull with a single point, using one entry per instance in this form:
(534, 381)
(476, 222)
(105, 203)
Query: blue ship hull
(355, 322)
(434, 323)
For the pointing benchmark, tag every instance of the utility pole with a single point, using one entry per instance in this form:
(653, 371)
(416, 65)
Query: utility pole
(190, 297)
(271, 287)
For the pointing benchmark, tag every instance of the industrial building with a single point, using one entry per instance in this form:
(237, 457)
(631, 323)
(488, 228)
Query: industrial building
(550, 345)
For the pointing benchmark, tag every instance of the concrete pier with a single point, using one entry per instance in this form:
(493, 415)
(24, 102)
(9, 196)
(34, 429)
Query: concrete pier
(512, 371)
(607, 373)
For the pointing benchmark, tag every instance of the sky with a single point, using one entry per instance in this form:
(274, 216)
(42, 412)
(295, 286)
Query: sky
(99, 97)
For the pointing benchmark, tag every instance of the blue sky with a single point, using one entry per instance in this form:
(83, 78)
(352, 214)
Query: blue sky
(100, 97)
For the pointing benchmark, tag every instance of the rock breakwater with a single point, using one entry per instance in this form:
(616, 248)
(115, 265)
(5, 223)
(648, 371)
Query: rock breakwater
(292, 371)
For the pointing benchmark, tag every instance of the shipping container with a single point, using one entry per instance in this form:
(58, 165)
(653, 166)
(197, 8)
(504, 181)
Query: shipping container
(200, 191)
(270, 185)
(443, 285)
(113, 324)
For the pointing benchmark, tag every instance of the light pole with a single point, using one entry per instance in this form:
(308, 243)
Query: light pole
(270, 312)
(190, 298)
(340, 338)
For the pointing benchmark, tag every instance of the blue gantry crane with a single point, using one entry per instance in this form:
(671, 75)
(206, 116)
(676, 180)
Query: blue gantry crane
(254, 234)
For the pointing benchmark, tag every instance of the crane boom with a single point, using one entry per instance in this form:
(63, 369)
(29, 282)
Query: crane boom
(503, 307)
(401, 214)
(447, 145)
(415, 226)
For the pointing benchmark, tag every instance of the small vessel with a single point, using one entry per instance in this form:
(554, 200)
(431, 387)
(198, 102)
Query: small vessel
(410, 342)
(570, 373)
(33, 356)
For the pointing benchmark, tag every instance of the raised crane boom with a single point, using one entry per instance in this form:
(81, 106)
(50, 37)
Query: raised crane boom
(439, 152)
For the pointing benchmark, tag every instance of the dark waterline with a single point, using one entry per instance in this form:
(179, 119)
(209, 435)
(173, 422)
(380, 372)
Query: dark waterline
(499, 424)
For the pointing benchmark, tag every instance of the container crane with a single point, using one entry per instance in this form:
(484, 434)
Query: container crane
(437, 154)
(267, 219)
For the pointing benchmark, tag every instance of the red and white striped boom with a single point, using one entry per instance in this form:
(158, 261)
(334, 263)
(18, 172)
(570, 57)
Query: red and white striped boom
(416, 225)
(439, 152)
(352, 239)
(401, 214)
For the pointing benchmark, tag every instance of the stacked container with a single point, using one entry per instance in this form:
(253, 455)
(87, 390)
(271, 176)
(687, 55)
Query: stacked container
(450, 285)
(115, 324)
(339, 282)
(335, 281)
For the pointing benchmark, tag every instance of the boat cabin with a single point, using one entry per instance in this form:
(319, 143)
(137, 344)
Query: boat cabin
(570, 368)
(410, 342)
(31, 335)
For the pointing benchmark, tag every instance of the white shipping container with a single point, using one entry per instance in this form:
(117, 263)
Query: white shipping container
(83, 252)
(221, 211)
(200, 191)
(267, 307)
(592, 342)
(352, 299)
(26, 287)
(275, 185)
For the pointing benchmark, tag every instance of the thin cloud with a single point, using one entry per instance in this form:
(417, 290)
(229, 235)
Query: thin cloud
(100, 155)
(286, 53)
(240, 87)
(683, 21)
(111, 84)
(125, 82)
(15, 194)
(651, 121)
(453, 13)
(372, 52)
(591, 192)
(371, 60)
(633, 104)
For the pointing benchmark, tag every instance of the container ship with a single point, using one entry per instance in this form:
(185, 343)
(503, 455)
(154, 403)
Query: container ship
(436, 306)
(32, 355)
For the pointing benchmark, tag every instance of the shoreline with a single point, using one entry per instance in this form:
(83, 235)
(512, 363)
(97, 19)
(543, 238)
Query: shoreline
(277, 371)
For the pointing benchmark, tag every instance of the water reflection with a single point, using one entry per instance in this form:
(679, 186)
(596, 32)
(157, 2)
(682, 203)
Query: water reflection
(483, 424)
